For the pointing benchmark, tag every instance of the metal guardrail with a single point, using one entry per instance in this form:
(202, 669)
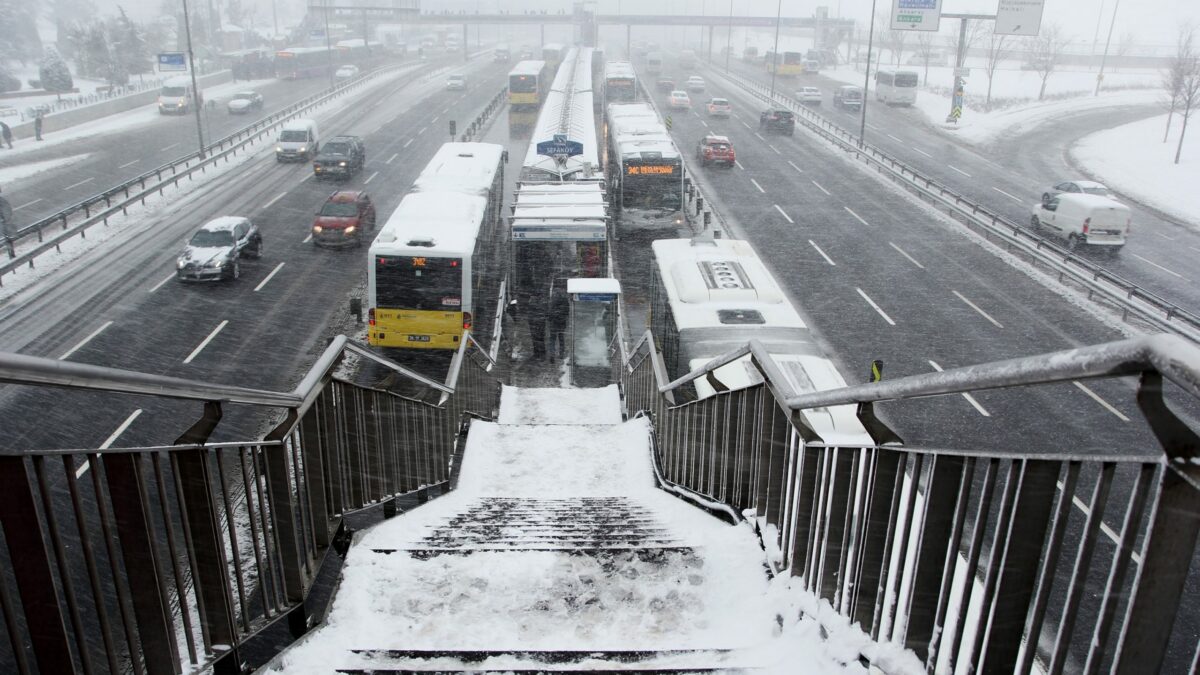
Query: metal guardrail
(178, 169)
(1131, 298)
(479, 124)
(170, 556)
(999, 561)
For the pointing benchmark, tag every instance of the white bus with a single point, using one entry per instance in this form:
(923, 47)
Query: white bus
(709, 297)
(896, 87)
(567, 114)
(620, 82)
(645, 169)
(654, 63)
(435, 267)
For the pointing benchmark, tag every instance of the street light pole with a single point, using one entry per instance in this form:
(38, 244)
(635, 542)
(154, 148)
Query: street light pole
(329, 43)
(729, 37)
(196, 103)
(862, 123)
(775, 54)
(1107, 42)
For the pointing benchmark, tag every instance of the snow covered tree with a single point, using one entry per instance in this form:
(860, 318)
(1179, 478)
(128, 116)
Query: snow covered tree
(67, 14)
(54, 73)
(1045, 52)
(996, 48)
(19, 39)
(925, 51)
(129, 43)
(8, 81)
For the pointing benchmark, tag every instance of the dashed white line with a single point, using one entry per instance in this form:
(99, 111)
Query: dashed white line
(1151, 262)
(200, 347)
(435, 119)
(128, 164)
(745, 125)
(959, 170)
(307, 239)
(421, 130)
(275, 199)
(970, 399)
(406, 144)
(160, 284)
(270, 276)
(28, 204)
(82, 182)
(875, 306)
(820, 188)
(895, 138)
(739, 165)
(851, 212)
(393, 157)
(774, 148)
(445, 111)
(1197, 250)
(906, 255)
(798, 169)
(976, 307)
(1015, 199)
(704, 123)
(1096, 397)
(112, 438)
(922, 151)
(370, 178)
(760, 188)
(84, 341)
(1165, 236)
(760, 137)
(696, 114)
(818, 248)
(784, 214)
(168, 147)
(872, 126)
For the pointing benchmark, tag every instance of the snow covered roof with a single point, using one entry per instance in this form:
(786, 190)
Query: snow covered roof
(567, 111)
(562, 211)
(527, 68)
(604, 285)
(449, 221)
(636, 129)
(224, 223)
(619, 69)
(469, 168)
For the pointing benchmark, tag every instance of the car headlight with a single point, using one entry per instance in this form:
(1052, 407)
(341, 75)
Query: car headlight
(341, 164)
(304, 148)
(350, 230)
(279, 148)
(180, 263)
(317, 229)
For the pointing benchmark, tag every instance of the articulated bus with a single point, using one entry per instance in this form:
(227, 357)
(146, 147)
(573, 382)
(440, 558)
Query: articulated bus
(620, 82)
(552, 54)
(896, 87)
(436, 266)
(787, 64)
(709, 297)
(645, 169)
(301, 62)
(528, 82)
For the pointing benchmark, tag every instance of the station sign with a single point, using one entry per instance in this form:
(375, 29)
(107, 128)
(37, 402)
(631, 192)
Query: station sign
(172, 62)
(1019, 17)
(916, 14)
(560, 147)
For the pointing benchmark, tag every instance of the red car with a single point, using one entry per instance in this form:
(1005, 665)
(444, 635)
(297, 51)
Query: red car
(715, 149)
(343, 218)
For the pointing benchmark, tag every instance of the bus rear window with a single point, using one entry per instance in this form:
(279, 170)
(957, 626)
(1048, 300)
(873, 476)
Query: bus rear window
(522, 84)
(906, 79)
(418, 282)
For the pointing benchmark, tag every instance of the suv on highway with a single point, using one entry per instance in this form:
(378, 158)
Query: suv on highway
(715, 149)
(847, 97)
(214, 252)
(342, 219)
(777, 120)
(695, 83)
(456, 82)
(340, 156)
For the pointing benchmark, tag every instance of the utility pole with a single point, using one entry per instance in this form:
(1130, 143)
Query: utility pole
(775, 54)
(862, 122)
(1107, 42)
(196, 102)
(329, 43)
(960, 81)
(729, 37)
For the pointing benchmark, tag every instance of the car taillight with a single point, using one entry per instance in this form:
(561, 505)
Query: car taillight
(371, 316)
(466, 321)
(1086, 223)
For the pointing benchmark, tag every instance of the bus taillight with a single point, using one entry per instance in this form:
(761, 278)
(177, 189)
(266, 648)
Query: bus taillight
(371, 316)
(466, 321)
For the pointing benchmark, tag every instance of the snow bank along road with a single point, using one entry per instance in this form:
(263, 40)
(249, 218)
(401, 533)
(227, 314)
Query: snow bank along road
(1011, 174)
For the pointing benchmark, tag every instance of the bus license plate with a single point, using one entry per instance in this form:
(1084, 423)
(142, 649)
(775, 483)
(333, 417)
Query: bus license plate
(418, 338)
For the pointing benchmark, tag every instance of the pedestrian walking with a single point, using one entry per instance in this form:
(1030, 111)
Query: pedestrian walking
(37, 126)
(6, 132)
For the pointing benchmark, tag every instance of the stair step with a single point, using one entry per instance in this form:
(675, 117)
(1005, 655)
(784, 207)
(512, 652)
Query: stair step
(643, 553)
(547, 661)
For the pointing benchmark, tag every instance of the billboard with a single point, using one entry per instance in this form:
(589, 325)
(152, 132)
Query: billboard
(172, 61)
(916, 14)
(1019, 17)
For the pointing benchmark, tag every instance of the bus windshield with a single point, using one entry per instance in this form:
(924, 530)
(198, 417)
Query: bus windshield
(522, 84)
(793, 58)
(418, 282)
(654, 191)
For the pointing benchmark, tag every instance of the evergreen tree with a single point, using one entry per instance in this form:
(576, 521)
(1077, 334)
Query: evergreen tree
(19, 39)
(68, 14)
(54, 73)
(129, 41)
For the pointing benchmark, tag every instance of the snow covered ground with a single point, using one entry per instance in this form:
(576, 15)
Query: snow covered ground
(696, 596)
(1133, 160)
(12, 174)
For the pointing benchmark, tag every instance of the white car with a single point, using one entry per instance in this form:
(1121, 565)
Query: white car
(456, 82)
(679, 100)
(245, 101)
(810, 95)
(695, 83)
(1083, 220)
(1086, 187)
(346, 72)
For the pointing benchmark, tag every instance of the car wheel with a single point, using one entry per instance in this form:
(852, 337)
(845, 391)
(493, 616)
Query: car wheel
(235, 272)
(256, 252)
(1035, 223)
(1072, 243)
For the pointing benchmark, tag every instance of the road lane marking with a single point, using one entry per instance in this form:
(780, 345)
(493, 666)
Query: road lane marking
(827, 258)
(200, 347)
(406, 144)
(851, 212)
(820, 188)
(168, 147)
(307, 239)
(977, 309)
(745, 125)
(704, 123)
(696, 114)
(435, 119)
(922, 151)
(446, 111)
(82, 182)
(774, 148)
(760, 188)
(784, 214)
(760, 137)
(1158, 266)
(28, 204)
(906, 255)
(1015, 199)
(421, 130)
(393, 157)
(128, 164)
(277, 198)
(895, 138)
(369, 178)
(1197, 250)
(112, 438)
(1096, 397)
(739, 165)
(84, 341)
(160, 284)
(1165, 236)
(970, 399)
(270, 276)
(1108, 531)
(959, 170)
(872, 126)
(798, 169)
(875, 306)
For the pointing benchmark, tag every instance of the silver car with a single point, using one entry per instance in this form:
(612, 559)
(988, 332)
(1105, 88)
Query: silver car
(215, 251)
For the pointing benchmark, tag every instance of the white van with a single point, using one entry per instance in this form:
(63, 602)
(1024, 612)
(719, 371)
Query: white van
(298, 140)
(1083, 219)
(177, 96)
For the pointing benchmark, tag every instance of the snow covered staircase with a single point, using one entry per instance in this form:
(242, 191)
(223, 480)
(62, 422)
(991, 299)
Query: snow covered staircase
(556, 552)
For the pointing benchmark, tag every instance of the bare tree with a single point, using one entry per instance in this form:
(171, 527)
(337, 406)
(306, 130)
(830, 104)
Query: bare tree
(925, 51)
(1045, 53)
(1124, 46)
(997, 48)
(1174, 75)
(1187, 60)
